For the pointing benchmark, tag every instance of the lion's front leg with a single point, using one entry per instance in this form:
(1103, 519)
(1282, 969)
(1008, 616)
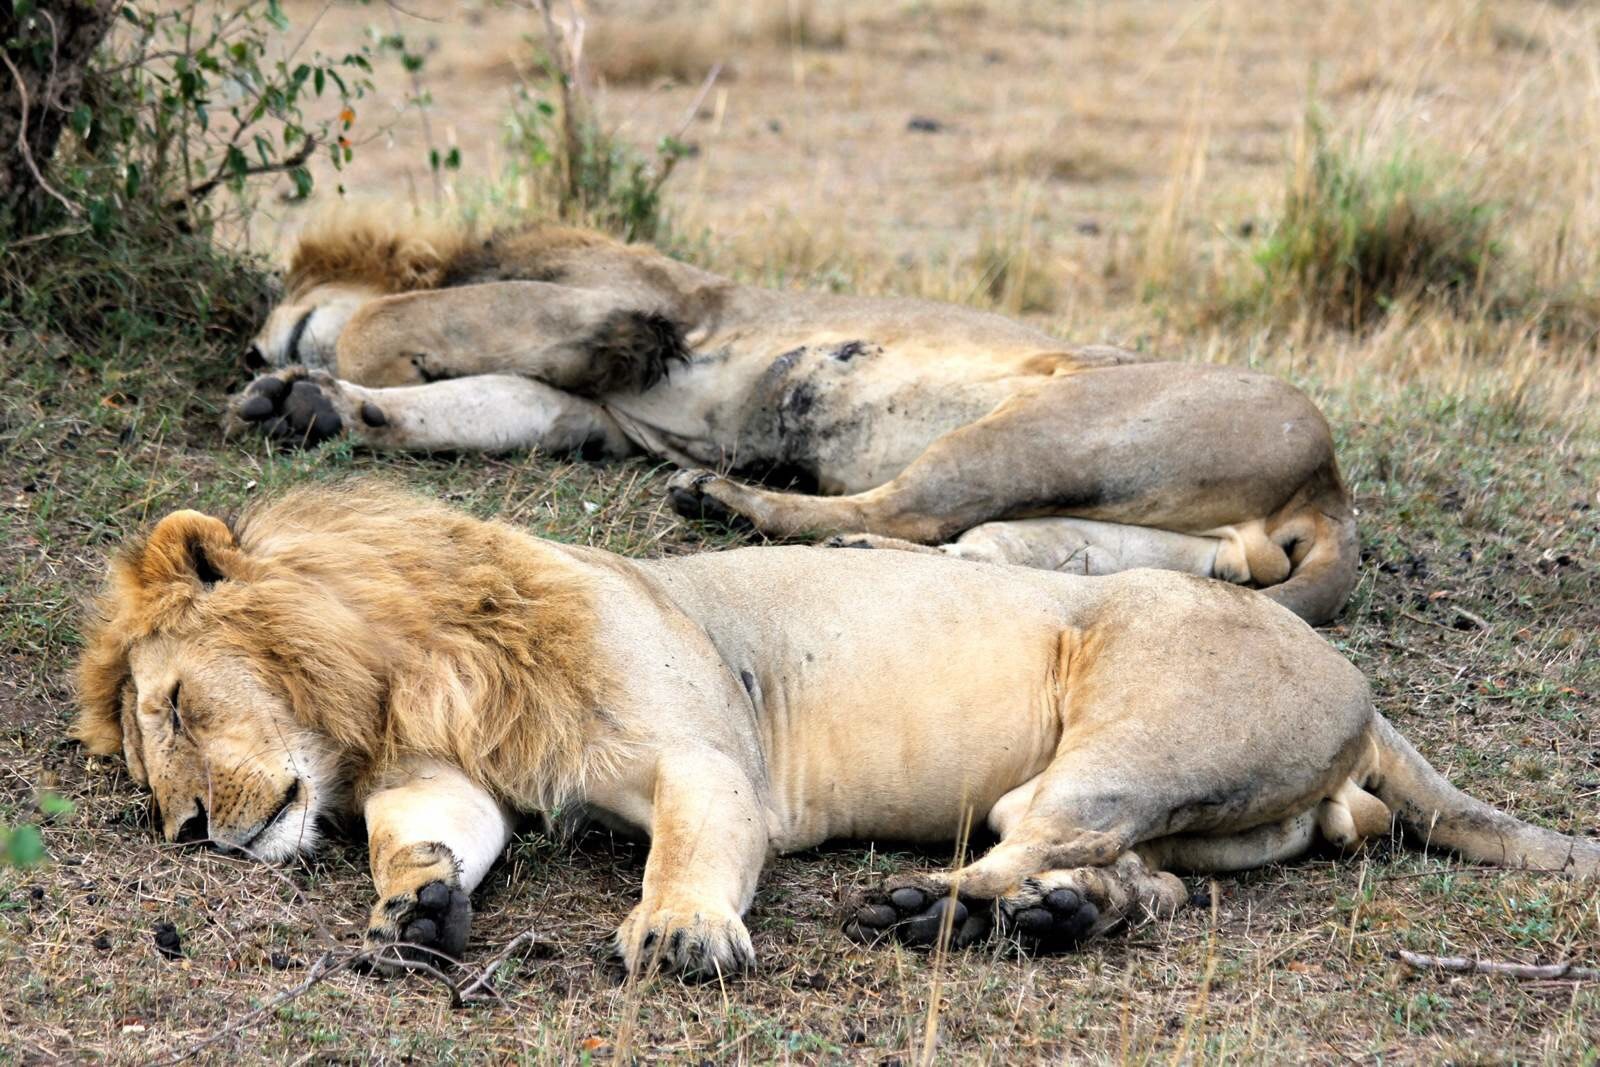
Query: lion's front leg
(708, 842)
(481, 413)
(432, 834)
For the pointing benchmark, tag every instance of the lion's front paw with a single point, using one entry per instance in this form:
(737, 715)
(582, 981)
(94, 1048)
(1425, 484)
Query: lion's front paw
(918, 911)
(428, 925)
(699, 945)
(293, 405)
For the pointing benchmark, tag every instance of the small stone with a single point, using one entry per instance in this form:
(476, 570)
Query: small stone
(102, 942)
(923, 124)
(167, 941)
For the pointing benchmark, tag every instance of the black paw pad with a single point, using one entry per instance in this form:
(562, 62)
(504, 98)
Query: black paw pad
(917, 917)
(433, 928)
(692, 502)
(1062, 920)
(297, 413)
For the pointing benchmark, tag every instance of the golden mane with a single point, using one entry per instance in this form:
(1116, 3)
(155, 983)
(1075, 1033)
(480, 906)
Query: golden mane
(395, 254)
(392, 624)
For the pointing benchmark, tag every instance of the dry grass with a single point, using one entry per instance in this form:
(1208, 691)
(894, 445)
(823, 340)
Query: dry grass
(682, 45)
(1468, 435)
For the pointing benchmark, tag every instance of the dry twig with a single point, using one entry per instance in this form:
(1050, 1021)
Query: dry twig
(1472, 965)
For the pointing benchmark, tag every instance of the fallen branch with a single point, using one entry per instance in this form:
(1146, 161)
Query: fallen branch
(1472, 965)
(479, 988)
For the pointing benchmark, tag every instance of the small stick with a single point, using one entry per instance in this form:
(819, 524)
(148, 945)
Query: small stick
(1473, 965)
(479, 987)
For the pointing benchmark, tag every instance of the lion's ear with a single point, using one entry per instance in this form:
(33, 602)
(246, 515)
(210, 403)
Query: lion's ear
(187, 546)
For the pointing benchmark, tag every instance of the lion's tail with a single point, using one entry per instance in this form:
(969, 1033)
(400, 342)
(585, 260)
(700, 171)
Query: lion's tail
(1439, 814)
(1323, 517)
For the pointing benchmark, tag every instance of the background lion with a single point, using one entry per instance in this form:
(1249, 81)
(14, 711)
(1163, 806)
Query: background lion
(921, 422)
(365, 650)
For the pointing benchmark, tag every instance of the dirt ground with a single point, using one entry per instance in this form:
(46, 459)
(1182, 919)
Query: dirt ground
(1091, 166)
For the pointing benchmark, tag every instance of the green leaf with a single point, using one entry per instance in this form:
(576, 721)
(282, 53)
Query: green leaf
(302, 182)
(24, 846)
(130, 189)
(275, 15)
(453, 159)
(53, 804)
(82, 119)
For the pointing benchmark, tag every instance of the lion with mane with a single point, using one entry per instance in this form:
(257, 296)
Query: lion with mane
(909, 422)
(362, 650)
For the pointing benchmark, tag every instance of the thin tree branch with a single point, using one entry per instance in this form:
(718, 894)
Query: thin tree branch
(201, 191)
(22, 140)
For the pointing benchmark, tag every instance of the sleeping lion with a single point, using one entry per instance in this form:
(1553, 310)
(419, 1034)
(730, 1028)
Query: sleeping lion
(361, 650)
(914, 421)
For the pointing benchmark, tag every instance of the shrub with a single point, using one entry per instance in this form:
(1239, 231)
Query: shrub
(178, 104)
(566, 166)
(1354, 237)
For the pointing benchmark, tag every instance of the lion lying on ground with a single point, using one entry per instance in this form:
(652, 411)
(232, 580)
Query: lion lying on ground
(921, 422)
(368, 651)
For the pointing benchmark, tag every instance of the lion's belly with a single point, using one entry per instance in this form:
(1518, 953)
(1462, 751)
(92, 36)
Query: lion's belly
(893, 698)
(850, 414)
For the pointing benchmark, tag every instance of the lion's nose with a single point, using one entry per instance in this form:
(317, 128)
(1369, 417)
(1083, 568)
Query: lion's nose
(195, 827)
(254, 358)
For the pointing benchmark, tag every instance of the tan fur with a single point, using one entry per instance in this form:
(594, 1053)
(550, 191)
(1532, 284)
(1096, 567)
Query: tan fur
(373, 247)
(916, 421)
(363, 648)
(310, 579)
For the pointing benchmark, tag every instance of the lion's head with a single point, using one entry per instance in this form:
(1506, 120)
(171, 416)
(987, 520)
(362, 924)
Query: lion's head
(200, 716)
(340, 262)
(255, 675)
(351, 256)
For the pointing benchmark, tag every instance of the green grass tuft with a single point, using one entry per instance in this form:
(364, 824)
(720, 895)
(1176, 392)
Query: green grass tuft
(1356, 237)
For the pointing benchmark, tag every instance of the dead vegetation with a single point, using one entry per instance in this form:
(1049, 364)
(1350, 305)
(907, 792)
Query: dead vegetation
(1463, 409)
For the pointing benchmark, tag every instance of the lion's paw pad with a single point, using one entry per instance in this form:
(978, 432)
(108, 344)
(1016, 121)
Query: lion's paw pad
(430, 927)
(919, 917)
(296, 411)
(1060, 919)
